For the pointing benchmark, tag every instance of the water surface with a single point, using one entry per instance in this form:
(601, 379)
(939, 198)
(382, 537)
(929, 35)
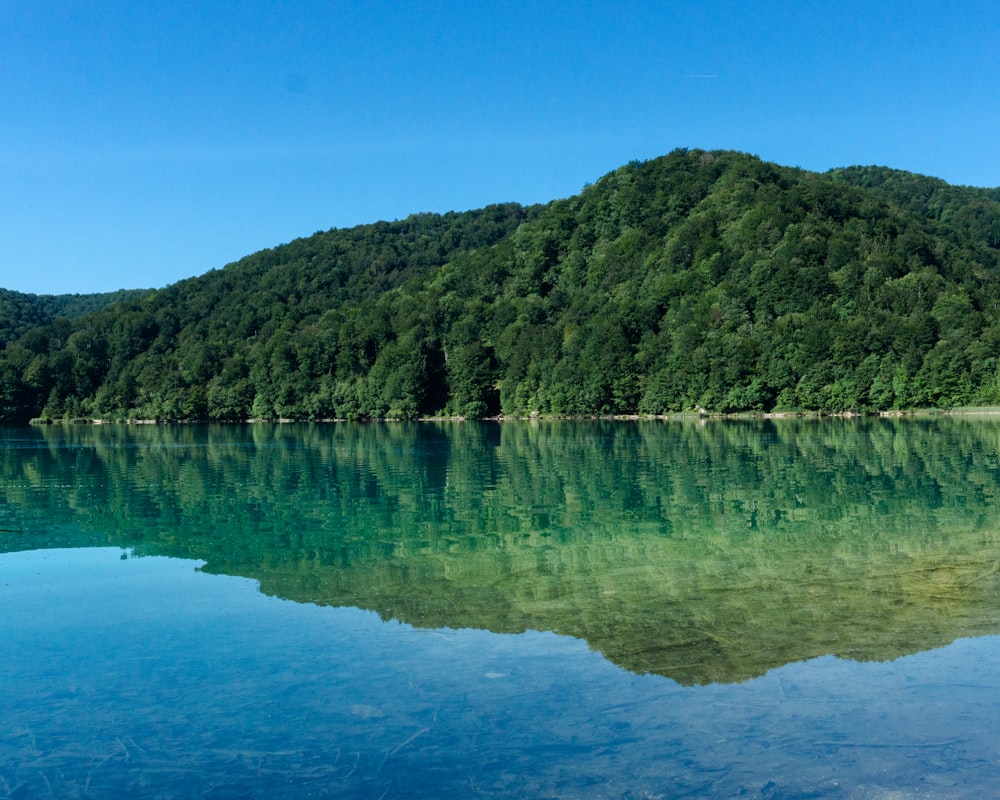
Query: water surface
(587, 609)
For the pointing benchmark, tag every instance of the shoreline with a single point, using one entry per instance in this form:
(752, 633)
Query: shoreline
(700, 416)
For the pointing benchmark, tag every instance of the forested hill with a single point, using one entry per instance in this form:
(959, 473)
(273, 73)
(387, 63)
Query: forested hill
(708, 279)
(21, 312)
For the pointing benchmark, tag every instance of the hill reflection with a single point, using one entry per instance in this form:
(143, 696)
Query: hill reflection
(700, 552)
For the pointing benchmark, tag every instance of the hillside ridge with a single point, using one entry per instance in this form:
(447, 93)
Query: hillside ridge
(700, 279)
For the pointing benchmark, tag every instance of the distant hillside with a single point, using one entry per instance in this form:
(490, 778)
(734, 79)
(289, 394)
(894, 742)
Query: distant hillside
(20, 312)
(699, 279)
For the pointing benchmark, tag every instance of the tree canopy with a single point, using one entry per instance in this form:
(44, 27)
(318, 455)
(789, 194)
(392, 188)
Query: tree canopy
(699, 279)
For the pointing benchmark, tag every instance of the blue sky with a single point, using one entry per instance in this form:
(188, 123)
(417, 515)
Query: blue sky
(146, 142)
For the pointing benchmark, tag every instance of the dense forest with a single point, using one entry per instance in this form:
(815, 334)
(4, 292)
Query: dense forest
(699, 279)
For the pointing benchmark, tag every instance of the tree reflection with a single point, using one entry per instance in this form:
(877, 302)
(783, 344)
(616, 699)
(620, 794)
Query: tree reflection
(702, 552)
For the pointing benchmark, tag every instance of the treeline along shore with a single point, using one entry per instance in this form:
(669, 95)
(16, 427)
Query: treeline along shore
(709, 281)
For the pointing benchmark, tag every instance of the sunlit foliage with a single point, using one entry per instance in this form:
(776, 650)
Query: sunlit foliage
(699, 279)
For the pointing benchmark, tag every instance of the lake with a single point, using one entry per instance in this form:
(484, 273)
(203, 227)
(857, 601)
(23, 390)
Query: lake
(589, 609)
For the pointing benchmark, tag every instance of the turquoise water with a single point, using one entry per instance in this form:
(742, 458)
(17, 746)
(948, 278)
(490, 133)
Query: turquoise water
(586, 609)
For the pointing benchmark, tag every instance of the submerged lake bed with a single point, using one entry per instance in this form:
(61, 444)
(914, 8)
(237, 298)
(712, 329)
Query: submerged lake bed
(778, 608)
